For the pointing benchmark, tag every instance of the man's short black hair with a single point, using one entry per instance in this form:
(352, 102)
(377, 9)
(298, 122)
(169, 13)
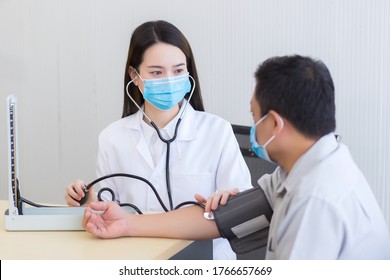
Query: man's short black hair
(301, 90)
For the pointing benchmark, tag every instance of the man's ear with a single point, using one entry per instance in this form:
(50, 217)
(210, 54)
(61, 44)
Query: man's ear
(278, 122)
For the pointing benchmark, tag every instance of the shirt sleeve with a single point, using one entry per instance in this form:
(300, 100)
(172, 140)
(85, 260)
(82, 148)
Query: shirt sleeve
(270, 183)
(103, 169)
(312, 229)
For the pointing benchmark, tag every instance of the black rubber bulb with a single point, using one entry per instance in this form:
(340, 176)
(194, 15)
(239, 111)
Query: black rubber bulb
(84, 199)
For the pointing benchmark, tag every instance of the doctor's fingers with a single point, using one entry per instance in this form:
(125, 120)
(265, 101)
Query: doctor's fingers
(220, 198)
(199, 198)
(227, 194)
(212, 202)
(206, 202)
(75, 191)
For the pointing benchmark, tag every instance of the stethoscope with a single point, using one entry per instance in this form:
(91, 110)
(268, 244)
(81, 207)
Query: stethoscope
(166, 141)
(106, 189)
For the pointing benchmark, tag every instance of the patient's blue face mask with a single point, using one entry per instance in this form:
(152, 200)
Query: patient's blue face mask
(165, 93)
(259, 150)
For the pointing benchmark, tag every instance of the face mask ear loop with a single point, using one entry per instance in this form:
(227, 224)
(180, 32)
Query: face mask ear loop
(188, 101)
(269, 141)
(281, 120)
(135, 103)
(273, 136)
(261, 119)
(136, 72)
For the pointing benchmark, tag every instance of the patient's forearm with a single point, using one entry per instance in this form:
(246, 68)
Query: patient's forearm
(185, 223)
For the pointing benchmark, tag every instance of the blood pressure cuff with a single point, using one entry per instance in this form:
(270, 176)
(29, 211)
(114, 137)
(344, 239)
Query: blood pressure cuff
(244, 220)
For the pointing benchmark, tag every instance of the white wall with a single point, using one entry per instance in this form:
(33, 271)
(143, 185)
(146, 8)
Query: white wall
(65, 61)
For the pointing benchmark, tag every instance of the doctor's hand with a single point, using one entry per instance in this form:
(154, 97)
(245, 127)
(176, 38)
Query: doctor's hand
(111, 221)
(215, 199)
(75, 192)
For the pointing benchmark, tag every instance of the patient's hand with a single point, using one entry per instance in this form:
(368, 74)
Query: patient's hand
(215, 199)
(106, 219)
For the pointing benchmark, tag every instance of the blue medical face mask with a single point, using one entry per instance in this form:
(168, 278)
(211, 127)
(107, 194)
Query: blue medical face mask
(259, 150)
(165, 93)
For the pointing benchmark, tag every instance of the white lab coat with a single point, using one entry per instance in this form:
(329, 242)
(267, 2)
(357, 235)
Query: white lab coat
(204, 158)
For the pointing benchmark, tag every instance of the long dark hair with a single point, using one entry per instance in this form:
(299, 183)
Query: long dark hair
(144, 36)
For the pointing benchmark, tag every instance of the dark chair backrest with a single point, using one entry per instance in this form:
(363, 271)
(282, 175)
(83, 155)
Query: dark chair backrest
(257, 166)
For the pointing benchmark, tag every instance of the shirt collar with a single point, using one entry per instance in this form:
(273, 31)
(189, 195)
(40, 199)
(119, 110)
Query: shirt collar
(318, 152)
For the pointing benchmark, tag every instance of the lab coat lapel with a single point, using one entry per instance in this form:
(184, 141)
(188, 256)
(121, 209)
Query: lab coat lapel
(142, 146)
(144, 151)
(187, 132)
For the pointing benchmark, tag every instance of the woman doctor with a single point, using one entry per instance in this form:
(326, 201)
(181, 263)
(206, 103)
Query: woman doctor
(162, 96)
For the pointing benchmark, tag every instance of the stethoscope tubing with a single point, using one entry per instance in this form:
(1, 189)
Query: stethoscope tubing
(166, 141)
